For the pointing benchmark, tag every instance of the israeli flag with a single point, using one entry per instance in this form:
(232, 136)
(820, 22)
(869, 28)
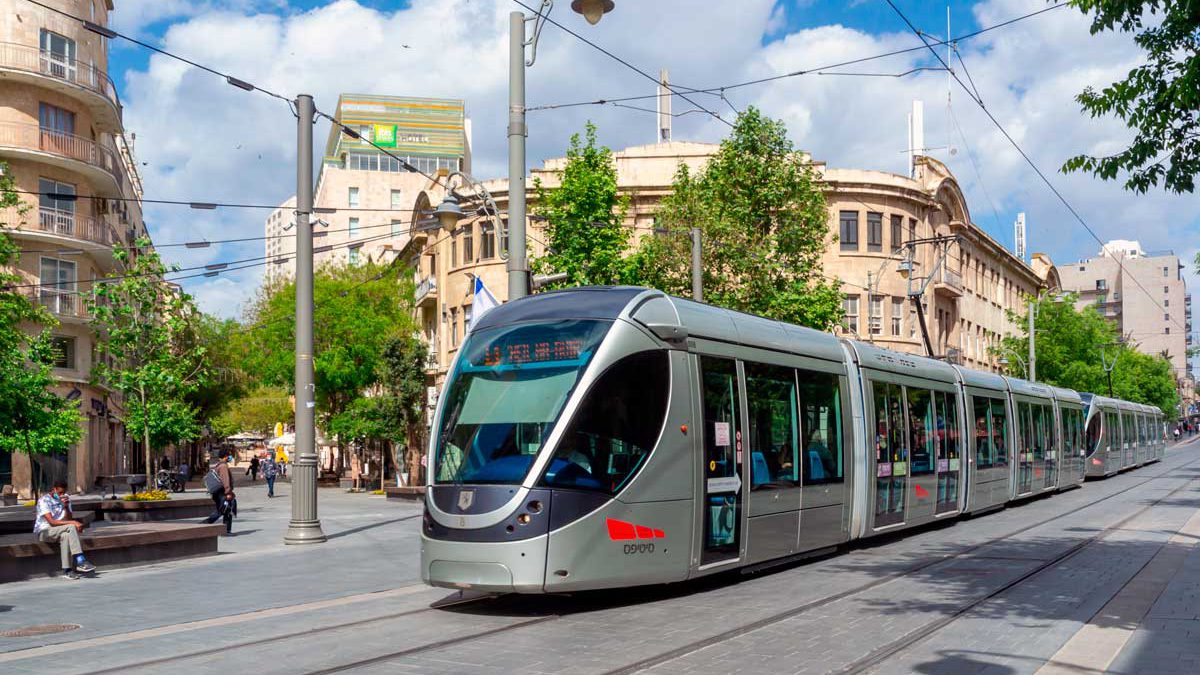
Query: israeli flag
(484, 301)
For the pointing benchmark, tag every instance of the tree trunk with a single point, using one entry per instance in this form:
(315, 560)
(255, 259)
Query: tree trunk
(146, 441)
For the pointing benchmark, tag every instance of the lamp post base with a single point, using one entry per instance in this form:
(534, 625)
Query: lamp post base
(304, 532)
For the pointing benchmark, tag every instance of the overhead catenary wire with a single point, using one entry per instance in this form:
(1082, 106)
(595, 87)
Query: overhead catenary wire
(1024, 155)
(806, 71)
(673, 89)
(201, 205)
(110, 33)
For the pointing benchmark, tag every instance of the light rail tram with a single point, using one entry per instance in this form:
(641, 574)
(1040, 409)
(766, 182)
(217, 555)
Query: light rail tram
(604, 437)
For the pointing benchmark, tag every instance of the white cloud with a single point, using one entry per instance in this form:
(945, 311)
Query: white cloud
(205, 140)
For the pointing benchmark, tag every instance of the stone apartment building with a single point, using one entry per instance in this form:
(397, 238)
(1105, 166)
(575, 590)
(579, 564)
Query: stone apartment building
(62, 136)
(1145, 295)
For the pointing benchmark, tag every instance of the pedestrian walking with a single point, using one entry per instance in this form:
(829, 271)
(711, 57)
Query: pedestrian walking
(56, 523)
(269, 470)
(252, 470)
(219, 483)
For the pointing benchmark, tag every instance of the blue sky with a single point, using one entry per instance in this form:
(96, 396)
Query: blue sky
(201, 139)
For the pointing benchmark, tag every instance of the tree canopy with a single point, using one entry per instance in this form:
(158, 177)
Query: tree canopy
(764, 227)
(584, 218)
(1159, 99)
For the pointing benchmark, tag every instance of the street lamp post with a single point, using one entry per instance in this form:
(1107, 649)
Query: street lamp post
(593, 11)
(304, 527)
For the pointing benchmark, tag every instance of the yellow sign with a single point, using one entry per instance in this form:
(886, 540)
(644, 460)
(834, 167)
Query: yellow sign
(278, 429)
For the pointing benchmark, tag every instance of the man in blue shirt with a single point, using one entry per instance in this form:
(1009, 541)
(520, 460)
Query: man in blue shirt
(55, 524)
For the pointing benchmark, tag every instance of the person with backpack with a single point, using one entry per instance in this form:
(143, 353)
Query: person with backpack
(219, 483)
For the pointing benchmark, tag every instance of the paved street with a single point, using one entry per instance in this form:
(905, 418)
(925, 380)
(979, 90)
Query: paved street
(1103, 577)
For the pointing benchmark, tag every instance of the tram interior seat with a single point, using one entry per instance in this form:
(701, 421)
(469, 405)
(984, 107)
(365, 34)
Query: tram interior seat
(760, 473)
(816, 468)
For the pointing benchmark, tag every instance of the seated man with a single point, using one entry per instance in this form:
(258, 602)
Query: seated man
(54, 524)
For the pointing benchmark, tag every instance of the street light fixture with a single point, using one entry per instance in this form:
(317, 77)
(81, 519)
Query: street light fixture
(450, 211)
(592, 10)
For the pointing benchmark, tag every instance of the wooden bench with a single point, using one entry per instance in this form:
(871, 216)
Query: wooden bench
(132, 480)
(413, 493)
(23, 556)
(176, 508)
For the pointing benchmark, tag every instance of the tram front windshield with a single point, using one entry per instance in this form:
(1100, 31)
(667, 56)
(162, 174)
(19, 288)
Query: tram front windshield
(505, 395)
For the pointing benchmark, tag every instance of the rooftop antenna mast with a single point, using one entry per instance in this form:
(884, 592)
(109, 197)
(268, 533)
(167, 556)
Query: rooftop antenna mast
(664, 107)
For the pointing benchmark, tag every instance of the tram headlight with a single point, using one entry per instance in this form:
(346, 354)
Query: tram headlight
(524, 519)
(534, 506)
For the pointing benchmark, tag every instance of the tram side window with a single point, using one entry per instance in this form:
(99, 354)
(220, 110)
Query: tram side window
(920, 431)
(987, 454)
(821, 425)
(999, 428)
(774, 433)
(947, 428)
(616, 427)
(1024, 439)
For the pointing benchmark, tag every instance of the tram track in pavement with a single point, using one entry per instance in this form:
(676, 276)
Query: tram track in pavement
(880, 654)
(644, 664)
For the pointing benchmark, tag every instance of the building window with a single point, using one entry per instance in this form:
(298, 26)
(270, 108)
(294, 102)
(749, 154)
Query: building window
(468, 243)
(487, 240)
(850, 312)
(1166, 302)
(453, 250)
(58, 51)
(1101, 285)
(1166, 272)
(876, 309)
(1082, 268)
(1167, 330)
(57, 292)
(874, 231)
(56, 211)
(912, 229)
(352, 197)
(897, 233)
(897, 315)
(454, 328)
(57, 120)
(1166, 289)
(64, 351)
(433, 264)
(1167, 317)
(849, 230)
(397, 228)
(396, 197)
(353, 229)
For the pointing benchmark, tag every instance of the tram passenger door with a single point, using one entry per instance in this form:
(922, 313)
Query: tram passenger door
(948, 446)
(923, 452)
(891, 454)
(722, 504)
(773, 441)
(1025, 441)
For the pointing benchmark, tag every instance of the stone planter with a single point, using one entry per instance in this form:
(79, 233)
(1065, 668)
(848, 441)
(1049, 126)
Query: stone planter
(118, 510)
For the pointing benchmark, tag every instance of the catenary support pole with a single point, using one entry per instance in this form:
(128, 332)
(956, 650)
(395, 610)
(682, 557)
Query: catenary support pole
(697, 269)
(1032, 332)
(304, 527)
(518, 274)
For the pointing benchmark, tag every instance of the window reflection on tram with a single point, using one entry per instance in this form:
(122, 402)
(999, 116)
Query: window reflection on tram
(505, 395)
(948, 451)
(615, 427)
(821, 425)
(774, 422)
(891, 454)
(991, 433)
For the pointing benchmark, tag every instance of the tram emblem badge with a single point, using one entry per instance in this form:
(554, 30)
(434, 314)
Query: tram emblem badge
(465, 499)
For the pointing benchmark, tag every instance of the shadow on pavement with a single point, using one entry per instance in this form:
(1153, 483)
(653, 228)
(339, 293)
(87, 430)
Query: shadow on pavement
(372, 526)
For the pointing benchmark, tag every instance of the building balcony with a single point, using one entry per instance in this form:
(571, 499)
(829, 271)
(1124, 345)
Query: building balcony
(67, 305)
(949, 284)
(426, 291)
(66, 230)
(99, 164)
(82, 81)
(1109, 310)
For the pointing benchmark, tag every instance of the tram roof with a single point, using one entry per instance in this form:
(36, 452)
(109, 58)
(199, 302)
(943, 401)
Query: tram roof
(878, 358)
(982, 379)
(1019, 386)
(1069, 395)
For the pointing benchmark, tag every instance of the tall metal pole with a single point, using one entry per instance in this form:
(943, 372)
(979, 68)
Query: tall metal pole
(304, 527)
(1032, 332)
(518, 274)
(697, 270)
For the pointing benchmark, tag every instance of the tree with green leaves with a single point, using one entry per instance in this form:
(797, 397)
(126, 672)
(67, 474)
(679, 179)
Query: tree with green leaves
(358, 309)
(1159, 99)
(149, 350)
(33, 420)
(258, 410)
(584, 217)
(764, 228)
(1071, 347)
(403, 381)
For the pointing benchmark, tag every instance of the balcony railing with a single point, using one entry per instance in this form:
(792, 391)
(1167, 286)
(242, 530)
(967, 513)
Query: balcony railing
(428, 285)
(70, 146)
(62, 302)
(60, 222)
(42, 62)
(948, 283)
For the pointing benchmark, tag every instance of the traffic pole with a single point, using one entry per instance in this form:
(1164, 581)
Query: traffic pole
(518, 274)
(304, 527)
(697, 272)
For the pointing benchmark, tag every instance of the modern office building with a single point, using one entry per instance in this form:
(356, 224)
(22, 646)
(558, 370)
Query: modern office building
(1145, 295)
(62, 137)
(370, 189)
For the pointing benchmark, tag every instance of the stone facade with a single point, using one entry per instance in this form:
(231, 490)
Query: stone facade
(61, 131)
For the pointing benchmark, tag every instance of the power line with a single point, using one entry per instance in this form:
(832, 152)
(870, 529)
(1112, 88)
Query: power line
(639, 71)
(198, 205)
(104, 31)
(1021, 150)
(352, 133)
(806, 71)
